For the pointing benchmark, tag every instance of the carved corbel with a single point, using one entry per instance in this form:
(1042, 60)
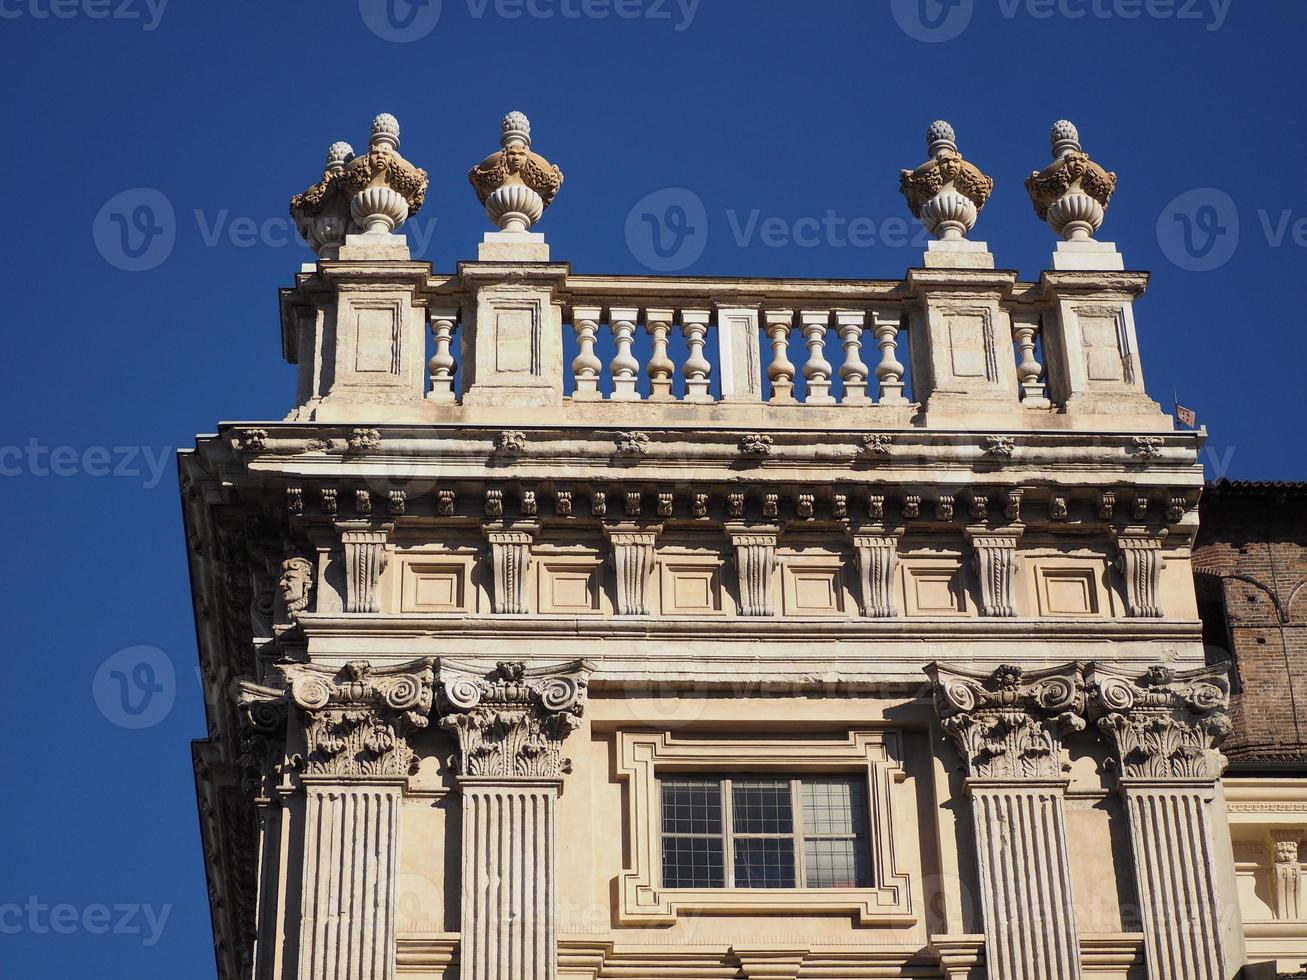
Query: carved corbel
(633, 560)
(1286, 872)
(510, 560)
(262, 717)
(511, 722)
(357, 719)
(994, 558)
(755, 564)
(877, 550)
(364, 545)
(1165, 724)
(1010, 724)
(1139, 560)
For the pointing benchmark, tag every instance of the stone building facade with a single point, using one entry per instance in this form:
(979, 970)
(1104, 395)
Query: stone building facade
(1250, 575)
(634, 626)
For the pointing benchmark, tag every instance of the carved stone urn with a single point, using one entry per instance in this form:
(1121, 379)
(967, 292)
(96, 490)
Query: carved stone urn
(1072, 193)
(322, 213)
(514, 184)
(946, 192)
(386, 190)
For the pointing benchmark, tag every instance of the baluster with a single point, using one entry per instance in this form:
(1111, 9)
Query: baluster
(696, 369)
(624, 367)
(441, 365)
(1029, 370)
(586, 366)
(817, 370)
(660, 367)
(780, 372)
(852, 372)
(889, 372)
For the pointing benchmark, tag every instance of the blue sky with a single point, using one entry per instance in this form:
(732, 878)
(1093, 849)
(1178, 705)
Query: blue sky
(768, 114)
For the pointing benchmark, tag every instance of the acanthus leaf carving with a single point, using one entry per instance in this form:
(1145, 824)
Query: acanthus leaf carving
(994, 555)
(1009, 724)
(357, 719)
(510, 559)
(1165, 723)
(511, 722)
(877, 553)
(1139, 560)
(633, 562)
(365, 560)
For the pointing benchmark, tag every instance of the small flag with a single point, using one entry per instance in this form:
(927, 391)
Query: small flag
(1187, 416)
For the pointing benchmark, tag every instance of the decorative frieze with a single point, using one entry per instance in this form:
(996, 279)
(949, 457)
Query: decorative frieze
(365, 560)
(1009, 724)
(510, 723)
(357, 719)
(1165, 724)
(878, 556)
(510, 562)
(755, 564)
(994, 559)
(633, 562)
(1139, 560)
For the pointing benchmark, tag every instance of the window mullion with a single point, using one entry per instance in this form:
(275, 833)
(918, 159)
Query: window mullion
(796, 823)
(728, 836)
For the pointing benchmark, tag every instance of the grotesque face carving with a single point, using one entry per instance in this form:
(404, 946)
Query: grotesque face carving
(296, 584)
(515, 156)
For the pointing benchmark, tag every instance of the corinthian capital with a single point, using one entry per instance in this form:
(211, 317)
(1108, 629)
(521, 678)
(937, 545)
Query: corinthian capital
(1010, 724)
(1165, 724)
(511, 722)
(357, 719)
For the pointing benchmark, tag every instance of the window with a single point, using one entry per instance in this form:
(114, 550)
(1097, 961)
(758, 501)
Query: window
(764, 832)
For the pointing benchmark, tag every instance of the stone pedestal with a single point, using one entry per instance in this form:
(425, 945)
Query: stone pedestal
(508, 902)
(1025, 879)
(351, 853)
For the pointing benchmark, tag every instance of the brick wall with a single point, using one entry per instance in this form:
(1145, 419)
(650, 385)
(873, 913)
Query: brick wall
(1250, 562)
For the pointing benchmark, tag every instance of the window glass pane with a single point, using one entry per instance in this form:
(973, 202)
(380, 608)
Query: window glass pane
(836, 864)
(764, 862)
(833, 806)
(762, 806)
(693, 862)
(692, 806)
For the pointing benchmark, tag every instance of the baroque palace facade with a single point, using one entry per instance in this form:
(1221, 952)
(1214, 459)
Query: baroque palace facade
(817, 629)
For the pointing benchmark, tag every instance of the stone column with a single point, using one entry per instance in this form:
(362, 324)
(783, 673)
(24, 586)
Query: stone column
(1009, 727)
(1164, 727)
(356, 761)
(510, 725)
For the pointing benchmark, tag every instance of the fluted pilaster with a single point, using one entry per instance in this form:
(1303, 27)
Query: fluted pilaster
(1009, 727)
(1165, 727)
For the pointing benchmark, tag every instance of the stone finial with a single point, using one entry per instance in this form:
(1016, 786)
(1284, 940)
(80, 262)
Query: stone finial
(514, 184)
(946, 192)
(1072, 193)
(375, 192)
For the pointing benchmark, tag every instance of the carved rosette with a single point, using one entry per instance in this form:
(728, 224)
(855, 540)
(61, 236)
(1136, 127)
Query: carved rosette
(1072, 193)
(357, 719)
(1165, 724)
(994, 554)
(1010, 724)
(511, 722)
(946, 192)
(633, 561)
(1139, 560)
(755, 563)
(878, 558)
